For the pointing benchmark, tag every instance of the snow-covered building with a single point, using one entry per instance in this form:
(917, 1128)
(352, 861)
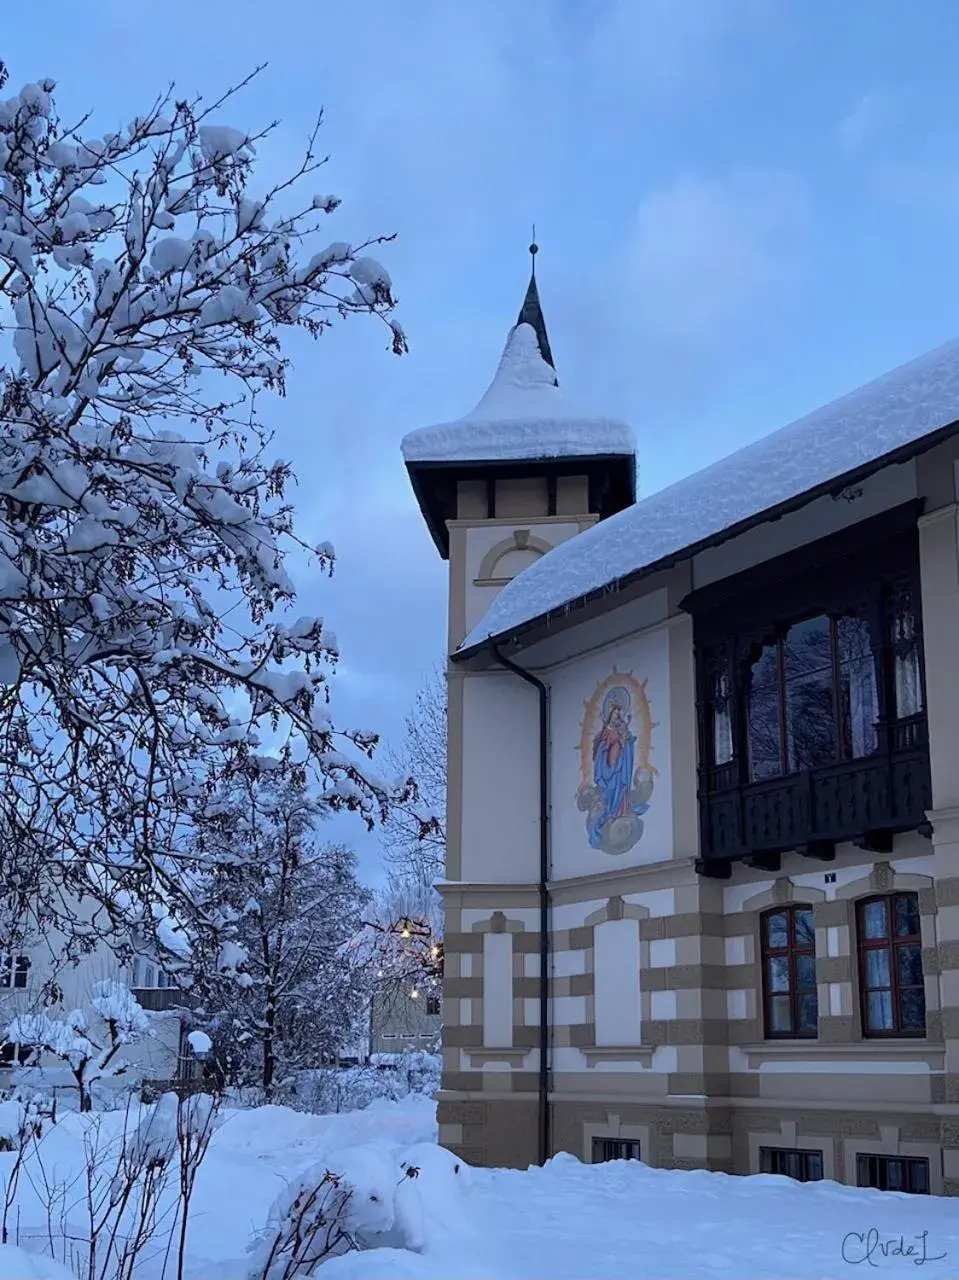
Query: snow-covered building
(704, 776)
(36, 980)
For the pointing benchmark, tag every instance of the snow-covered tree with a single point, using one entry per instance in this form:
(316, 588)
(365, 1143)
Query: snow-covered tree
(403, 935)
(414, 833)
(89, 1042)
(285, 994)
(146, 643)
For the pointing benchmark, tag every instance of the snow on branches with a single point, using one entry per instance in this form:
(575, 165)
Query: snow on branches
(91, 1052)
(145, 646)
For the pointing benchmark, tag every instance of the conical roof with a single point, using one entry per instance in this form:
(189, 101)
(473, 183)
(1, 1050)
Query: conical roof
(524, 415)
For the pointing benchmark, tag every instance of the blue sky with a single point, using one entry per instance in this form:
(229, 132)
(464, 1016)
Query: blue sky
(744, 207)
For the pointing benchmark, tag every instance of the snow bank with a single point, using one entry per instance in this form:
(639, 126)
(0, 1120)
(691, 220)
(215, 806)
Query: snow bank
(523, 415)
(562, 1222)
(889, 413)
(17, 1264)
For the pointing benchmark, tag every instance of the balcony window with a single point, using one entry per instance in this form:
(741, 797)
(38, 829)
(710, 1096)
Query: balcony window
(812, 697)
(904, 642)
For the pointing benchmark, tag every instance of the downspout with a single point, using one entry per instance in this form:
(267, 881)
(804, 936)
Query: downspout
(544, 920)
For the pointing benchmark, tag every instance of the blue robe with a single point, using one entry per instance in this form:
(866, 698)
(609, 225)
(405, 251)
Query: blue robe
(615, 783)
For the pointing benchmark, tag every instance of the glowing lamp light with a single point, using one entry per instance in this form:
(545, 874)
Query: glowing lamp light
(414, 994)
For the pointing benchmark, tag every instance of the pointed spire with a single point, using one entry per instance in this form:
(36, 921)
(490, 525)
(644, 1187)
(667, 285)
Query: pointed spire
(531, 312)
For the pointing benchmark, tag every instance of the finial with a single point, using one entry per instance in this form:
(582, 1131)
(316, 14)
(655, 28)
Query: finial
(534, 249)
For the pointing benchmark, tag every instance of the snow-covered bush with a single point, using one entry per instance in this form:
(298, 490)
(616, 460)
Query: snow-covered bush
(88, 1043)
(145, 294)
(388, 1078)
(360, 1198)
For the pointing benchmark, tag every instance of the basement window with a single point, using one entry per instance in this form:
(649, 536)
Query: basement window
(615, 1149)
(893, 1173)
(791, 1162)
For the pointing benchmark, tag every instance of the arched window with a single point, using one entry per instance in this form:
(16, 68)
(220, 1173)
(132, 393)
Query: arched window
(790, 1004)
(891, 985)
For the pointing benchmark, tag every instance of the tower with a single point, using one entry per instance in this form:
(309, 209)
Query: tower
(499, 488)
(520, 473)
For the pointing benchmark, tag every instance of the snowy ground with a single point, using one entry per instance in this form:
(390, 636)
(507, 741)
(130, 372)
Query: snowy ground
(563, 1222)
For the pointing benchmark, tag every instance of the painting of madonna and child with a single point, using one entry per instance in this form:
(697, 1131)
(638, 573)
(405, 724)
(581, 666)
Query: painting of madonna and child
(617, 779)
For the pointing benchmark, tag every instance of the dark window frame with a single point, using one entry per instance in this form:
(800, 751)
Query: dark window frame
(806, 1160)
(873, 1171)
(14, 972)
(12, 1054)
(433, 1006)
(791, 950)
(891, 942)
(606, 1146)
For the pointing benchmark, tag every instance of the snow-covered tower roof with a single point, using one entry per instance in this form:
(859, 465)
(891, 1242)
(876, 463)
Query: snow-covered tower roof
(524, 424)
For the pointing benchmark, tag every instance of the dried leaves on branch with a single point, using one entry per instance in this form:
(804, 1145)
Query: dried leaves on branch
(146, 643)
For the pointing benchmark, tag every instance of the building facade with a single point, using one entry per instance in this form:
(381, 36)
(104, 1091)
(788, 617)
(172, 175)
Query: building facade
(702, 891)
(36, 979)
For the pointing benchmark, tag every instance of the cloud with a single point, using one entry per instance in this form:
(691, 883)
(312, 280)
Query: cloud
(705, 250)
(864, 122)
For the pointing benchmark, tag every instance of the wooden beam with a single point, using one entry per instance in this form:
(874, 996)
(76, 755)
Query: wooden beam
(714, 868)
(821, 850)
(874, 841)
(764, 861)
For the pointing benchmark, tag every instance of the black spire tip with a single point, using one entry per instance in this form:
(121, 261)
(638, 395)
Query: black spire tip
(531, 312)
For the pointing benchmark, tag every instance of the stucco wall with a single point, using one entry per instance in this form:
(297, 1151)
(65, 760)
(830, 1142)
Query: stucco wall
(482, 539)
(500, 797)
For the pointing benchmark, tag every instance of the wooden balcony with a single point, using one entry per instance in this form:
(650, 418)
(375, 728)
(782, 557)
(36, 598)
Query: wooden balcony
(865, 801)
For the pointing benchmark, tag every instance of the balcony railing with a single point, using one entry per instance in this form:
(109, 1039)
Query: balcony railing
(865, 801)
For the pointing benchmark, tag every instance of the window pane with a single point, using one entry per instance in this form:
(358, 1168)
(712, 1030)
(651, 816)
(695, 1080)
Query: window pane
(912, 1009)
(905, 650)
(874, 919)
(858, 694)
(807, 648)
(878, 967)
(813, 1166)
(764, 716)
(907, 915)
(879, 1011)
(777, 931)
(810, 721)
(777, 971)
(808, 1011)
(910, 966)
(805, 929)
(722, 719)
(805, 972)
(780, 1014)
(918, 1182)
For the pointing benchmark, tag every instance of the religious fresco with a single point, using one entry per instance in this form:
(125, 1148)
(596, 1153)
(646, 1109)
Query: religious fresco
(617, 777)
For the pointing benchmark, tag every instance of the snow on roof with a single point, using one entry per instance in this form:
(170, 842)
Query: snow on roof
(890, 413)
(523, 416)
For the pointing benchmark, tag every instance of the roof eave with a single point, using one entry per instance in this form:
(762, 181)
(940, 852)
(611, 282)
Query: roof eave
(835, 484)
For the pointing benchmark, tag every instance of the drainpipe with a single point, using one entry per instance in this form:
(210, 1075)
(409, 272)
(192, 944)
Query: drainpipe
(544, 921)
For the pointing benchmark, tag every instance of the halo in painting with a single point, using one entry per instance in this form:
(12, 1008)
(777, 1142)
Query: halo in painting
(617, 778)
